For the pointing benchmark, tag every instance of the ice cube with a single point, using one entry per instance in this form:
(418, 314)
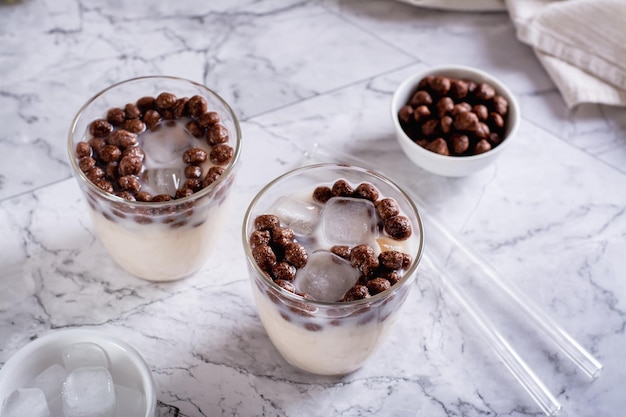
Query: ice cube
(165, 144)
(349, 221)
(130, 402)
(24, 402)
(161, 180)
(302, 217)
(89, 391)
(83, 354)
(49, 381)
(326, 276)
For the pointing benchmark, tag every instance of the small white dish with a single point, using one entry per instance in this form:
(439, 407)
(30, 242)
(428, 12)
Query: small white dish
(126, 364)
(444, 165)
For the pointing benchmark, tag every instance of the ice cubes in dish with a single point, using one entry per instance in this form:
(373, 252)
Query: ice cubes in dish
(25, 402)
(84, 354)
(89, 391)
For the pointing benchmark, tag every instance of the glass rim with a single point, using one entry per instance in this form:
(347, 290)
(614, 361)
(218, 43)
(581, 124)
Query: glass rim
(170, 203)
(406, 279)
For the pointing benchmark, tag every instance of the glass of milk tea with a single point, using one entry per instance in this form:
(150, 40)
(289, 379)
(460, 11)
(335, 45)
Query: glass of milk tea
(332, 252)
(156, 158)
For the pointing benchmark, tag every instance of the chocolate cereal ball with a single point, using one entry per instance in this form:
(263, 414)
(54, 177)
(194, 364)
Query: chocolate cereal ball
(398, 227)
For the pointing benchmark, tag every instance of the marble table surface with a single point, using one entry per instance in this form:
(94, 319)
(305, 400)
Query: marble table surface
(549, 215)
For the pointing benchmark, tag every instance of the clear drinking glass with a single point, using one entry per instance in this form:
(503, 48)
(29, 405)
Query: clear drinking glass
(166, 240)
(329, 338)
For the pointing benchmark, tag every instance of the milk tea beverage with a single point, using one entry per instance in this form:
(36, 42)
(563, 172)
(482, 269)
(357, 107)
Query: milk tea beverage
(156, 158)
(332, 251)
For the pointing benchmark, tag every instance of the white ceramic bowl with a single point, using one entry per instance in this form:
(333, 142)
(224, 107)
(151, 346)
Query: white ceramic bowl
(452, 166)
(127, 365)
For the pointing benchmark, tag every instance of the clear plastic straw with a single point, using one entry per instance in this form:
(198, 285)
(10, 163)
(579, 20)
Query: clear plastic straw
(563, 341)
(505, 352)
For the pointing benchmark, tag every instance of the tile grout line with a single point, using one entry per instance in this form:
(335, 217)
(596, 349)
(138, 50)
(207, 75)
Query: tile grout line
(571, 145)
(33, 190)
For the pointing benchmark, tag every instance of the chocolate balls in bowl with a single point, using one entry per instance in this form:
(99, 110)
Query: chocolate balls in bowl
(454, 120)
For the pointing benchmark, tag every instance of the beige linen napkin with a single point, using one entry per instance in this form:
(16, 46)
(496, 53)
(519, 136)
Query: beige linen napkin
(581, 44)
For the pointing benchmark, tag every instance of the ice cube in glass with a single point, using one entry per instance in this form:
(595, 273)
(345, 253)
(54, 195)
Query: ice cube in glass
(161, 180)
(326, 276)
(349, 221)
(165, 143)
(300, 216)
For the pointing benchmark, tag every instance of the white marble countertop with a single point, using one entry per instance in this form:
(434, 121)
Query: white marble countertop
(550, 214)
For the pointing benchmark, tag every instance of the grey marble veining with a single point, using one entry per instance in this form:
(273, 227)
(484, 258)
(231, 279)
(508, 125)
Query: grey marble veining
(549, 215)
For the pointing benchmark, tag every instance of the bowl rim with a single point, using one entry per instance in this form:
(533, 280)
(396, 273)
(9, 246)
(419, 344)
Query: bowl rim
(408, 85)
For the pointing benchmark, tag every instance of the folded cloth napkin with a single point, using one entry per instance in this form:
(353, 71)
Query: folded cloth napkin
(580, 43)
